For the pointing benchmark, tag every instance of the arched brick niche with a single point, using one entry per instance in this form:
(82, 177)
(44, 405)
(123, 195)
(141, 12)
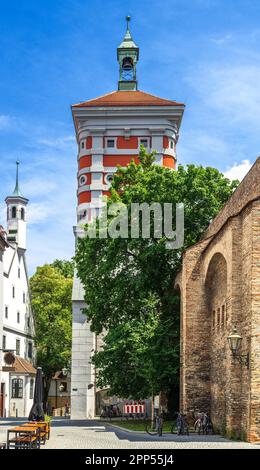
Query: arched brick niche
(216, 302)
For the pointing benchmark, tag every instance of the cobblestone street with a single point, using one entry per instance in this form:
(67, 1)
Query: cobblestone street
(66, 434)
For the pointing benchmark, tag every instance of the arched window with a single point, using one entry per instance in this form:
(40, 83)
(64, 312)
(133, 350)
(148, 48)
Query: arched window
(13, 212)
(22, 213)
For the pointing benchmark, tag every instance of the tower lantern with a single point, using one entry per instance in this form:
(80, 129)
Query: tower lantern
(127, 56)
(16, 215)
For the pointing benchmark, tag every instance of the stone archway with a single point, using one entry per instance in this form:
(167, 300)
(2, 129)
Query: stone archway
(216, 303)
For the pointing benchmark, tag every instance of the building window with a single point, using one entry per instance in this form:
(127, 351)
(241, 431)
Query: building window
(19, 273)
(109, 178)
(82, 215)
(28, 322)
(13, 212)
(31, 389)
(82, 180)
(13, 292)
(22, 213)
(17, 388)
(110, 143)
(4, 343)
(18, 347)
(144, 143)
(6, 311)
(30, 350)
(24, 297)
(18, 317)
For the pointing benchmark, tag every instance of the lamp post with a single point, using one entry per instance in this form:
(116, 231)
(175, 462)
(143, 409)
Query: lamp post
(234, 341)
(65, 371)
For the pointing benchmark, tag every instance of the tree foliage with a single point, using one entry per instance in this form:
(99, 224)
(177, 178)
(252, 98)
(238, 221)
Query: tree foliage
(51, 304)
(129, 282)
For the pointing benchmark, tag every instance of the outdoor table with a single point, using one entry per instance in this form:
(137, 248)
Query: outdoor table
(25, 436)
(43, 426)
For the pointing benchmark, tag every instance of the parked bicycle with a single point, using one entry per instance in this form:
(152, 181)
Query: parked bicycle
(155, 427)
(203, 424)
(181, 425)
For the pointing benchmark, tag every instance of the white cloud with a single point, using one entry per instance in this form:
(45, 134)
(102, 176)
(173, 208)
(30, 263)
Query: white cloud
(222, 39)
(238, 170)
(58, 143)
(37, 213)
(5, 122)
(233, 91)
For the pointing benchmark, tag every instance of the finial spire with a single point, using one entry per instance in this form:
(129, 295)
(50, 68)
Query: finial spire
(17, 191)
(17, 173)
(128, 18)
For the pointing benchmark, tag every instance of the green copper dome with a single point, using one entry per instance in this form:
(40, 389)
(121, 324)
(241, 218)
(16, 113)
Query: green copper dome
(128, 41)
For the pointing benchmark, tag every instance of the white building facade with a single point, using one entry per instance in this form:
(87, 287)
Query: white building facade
(109, 132)
(17, 372)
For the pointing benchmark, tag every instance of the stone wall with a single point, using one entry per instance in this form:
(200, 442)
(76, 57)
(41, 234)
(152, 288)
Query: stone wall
(220, 286)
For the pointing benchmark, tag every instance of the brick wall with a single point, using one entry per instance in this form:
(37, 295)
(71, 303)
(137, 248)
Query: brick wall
(220, 285)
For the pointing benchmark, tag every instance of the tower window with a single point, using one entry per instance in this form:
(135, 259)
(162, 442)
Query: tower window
(22, 213)
(110, 143)
(24, 297)
(13, 212)
(6, 311)
(82, 180)
(83, 144)
(18, 317)
(109, 178)
(127, 69)
(144, 142)
(171, 144)
(13, 292)
(19, 273)
(4, 342)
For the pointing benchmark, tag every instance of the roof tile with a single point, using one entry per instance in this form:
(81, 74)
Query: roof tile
(127, 98)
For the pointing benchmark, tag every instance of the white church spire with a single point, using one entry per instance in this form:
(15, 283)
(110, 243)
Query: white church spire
(16, 215)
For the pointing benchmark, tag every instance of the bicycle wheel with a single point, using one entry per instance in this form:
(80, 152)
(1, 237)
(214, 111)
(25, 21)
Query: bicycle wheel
(151, 429)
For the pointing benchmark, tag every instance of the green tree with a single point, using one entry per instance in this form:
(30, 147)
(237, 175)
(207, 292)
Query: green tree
(126, 279)
(51, 303)
(66, 267)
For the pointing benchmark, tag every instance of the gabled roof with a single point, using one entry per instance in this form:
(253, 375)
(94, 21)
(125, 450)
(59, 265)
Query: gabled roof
(22, 366)
(127, 98)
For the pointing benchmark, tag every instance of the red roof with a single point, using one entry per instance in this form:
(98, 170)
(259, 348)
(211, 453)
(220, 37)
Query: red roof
(127, 98)
(22, 366)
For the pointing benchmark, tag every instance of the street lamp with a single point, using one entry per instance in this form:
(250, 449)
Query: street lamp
(234, 341)
(65, 371)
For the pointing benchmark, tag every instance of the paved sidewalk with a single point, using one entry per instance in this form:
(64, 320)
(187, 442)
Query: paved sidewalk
(66, 434)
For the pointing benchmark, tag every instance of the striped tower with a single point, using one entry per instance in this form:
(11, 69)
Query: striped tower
(109, 131)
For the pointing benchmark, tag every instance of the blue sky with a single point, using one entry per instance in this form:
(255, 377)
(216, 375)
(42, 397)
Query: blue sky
(56, 53)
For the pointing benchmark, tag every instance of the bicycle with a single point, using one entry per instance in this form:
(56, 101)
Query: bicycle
(154, 428)
(203, 424)
(181, 425)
